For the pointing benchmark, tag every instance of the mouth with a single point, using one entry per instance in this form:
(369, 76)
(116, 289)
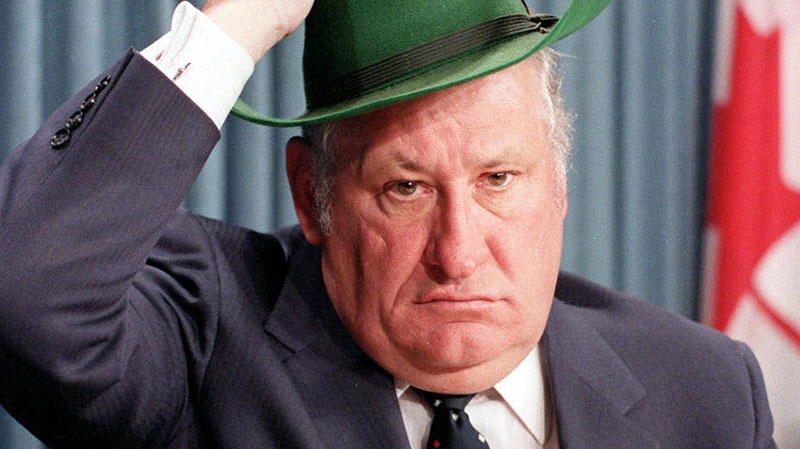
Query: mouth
(455, 299)
(462, 300)
(439, 307)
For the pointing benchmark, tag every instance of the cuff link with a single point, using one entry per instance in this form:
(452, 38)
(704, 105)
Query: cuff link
(181, 71)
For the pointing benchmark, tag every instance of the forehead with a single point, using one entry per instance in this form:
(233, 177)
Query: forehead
(507, 104)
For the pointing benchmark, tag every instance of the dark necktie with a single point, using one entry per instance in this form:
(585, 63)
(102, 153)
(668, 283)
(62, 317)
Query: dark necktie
(450, 428)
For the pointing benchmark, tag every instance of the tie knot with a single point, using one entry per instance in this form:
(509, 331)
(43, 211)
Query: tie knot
(450, 428)
(440, 401)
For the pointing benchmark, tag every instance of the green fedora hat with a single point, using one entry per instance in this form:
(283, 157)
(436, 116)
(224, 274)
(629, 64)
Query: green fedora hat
(362, 55)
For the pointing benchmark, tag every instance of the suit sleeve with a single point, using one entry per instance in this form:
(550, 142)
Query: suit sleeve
(763, 416)
(90, 356)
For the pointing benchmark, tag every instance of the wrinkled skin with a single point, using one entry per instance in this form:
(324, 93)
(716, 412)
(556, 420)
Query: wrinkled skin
(447, 226)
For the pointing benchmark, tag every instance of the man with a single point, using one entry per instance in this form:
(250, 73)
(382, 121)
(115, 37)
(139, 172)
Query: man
(431, 203)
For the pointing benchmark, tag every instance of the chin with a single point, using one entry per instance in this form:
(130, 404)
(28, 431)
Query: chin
(464, 372)
(462, 347)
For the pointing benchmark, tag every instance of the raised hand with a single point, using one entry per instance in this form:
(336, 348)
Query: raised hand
(257, 25)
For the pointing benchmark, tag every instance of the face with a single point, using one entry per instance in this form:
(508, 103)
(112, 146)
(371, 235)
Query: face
(446, 231)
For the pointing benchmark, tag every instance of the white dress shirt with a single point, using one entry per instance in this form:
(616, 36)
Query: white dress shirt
(514, 414)
(210, 67)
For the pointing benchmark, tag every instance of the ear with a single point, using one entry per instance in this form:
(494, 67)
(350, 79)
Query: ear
(298, 169)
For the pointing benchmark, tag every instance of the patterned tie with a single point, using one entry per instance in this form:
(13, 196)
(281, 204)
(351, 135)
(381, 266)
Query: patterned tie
(451, 428)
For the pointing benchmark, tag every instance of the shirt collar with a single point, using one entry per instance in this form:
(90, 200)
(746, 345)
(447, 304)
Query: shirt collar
(523, 389)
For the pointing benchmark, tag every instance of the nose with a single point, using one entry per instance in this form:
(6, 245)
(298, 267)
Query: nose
(458, 241)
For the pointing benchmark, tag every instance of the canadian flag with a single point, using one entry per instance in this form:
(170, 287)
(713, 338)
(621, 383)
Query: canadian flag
(752, 241)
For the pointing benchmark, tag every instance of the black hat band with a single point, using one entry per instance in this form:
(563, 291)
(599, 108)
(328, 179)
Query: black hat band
(428, 55)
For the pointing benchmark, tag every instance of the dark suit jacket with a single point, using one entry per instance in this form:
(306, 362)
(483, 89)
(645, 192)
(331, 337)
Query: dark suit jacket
(124, 323)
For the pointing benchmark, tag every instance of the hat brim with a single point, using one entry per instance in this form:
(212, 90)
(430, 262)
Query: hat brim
(458, 70)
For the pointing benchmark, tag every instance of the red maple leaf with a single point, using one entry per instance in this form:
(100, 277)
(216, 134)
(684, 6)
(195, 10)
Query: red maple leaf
(748, 204)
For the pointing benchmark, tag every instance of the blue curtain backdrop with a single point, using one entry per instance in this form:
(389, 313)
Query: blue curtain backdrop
(638, 78)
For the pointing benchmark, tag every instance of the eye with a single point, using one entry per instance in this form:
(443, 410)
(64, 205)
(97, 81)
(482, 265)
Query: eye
(500, 179)
(406, 188)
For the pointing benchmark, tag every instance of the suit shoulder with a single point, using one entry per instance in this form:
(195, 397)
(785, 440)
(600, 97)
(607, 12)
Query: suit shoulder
(629, 322)
(698, 382)
(240, 258)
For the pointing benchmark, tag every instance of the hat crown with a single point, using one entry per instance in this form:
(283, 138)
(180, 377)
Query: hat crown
(346, 35)
(362, 55)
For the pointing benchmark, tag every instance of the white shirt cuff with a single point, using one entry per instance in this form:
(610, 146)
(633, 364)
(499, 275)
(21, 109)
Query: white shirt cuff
(203, 61)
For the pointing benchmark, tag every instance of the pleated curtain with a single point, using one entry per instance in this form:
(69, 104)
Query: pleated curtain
(638, 79)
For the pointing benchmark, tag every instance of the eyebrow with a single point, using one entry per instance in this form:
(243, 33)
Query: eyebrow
(494, 163)
(403, 162)
(414, 166)
(408, 164)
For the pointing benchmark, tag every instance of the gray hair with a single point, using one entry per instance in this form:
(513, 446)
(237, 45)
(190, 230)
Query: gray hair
(321, 138)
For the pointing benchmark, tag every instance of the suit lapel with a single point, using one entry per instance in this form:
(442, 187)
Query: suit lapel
(350, 399)
(591, 387)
